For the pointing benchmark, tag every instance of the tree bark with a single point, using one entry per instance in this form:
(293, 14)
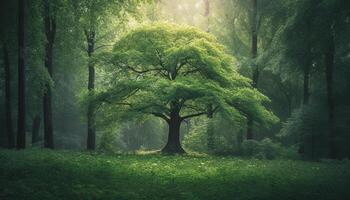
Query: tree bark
(35, 129)
(329, 62)
(256, 72)
(210, 136)
(50, 32)
(8, 107)
(21, 134)
(91, 132)
(306, 84)
(306, 97)
(173, 145)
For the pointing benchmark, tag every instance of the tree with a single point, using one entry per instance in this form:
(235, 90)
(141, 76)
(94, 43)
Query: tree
(248, 29)
(93, 15)
(21, 132)
(50, 32)
(313, 40)
(8, 29)
(254, 50)
(174, 72)
(8, 107)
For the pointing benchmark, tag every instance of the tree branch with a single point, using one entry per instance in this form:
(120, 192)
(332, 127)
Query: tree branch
(161, 116)
(142, 71)
(102, 46)
(193, 115)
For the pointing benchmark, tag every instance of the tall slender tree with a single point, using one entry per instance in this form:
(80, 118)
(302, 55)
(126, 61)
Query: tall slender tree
(93, 15)
(210, 128)
(329, 64)
(50, 32)
(21, 132)
(8, 107)
(254, 52)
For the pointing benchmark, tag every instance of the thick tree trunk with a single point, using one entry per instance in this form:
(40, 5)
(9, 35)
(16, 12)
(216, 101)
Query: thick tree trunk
(21, 134)
(329, 62)
(256, 72)
(35, 129)
(50, 30)
(173, 145)
(91, 132)
(8, 107)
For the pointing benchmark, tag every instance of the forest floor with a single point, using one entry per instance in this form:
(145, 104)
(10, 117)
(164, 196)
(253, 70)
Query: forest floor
(45, 174)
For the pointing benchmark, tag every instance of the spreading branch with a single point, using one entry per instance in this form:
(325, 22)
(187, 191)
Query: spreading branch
(161, 115)
(194, 115)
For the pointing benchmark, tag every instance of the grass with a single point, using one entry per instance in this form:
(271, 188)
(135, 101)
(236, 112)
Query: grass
(44, 174)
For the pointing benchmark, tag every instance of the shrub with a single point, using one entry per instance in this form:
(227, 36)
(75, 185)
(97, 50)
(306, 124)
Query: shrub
(264, 149)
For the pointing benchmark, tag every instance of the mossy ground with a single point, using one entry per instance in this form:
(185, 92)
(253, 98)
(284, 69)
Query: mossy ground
(44, 174)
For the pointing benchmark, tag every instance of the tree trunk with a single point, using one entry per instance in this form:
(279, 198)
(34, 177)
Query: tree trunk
(210, 135)
(329, 61)
(91, 135)
(306, 100)
(256, 72)
(21, 134)
(8, 107)
(210, 128)
(50, 32)
(306, 84)
(35, 129)
(207, 13)
(173, 145)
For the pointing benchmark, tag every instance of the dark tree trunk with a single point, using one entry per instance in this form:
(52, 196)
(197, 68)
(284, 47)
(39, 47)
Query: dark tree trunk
(306, 84)
(21, 132)
(35, 129)
(210, 135)
(210, 130)
(50, 32)
(256, 72)
(91, 135)
(329, 62)
(306, 97)
(8, 107)
(173, 145)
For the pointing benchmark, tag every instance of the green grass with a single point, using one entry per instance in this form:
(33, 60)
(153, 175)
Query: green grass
(50, 175)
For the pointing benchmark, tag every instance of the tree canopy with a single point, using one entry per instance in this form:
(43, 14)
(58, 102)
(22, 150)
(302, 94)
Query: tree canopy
(178, 70)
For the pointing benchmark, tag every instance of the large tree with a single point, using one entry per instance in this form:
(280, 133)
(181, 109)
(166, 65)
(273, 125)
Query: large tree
(174, 72)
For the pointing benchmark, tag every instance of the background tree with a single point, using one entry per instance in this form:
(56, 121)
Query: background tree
(50, 32)
(21, 131)
(94, 17)
(7, 22)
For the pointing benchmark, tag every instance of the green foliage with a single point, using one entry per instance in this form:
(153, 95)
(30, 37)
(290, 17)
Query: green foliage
(39, 174)
(264, 149)
(164, 63)
(226, 136)
(196, 140)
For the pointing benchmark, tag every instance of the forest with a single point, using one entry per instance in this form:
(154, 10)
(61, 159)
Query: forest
(175, 99)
